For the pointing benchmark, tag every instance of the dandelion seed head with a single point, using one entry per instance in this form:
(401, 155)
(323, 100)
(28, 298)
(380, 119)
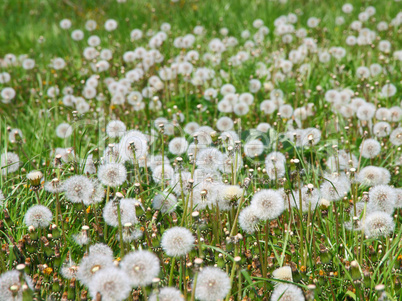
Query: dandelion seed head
(382, 198)
(166, 172)
(263, 127)
(335, 188)
(228, 196)
(11, 279)
(267, 204)
(205, 194)
(370, 148)
(248, 221)
(101, 249)
(34, 175)
(127, 212)
(165, 202)
(167, 294)
(115, 128)
(178, 145)
(69, 270)
(92, 264)
(81, 238)
(185, 179)
(177, 241)
(212, 284)
(14, 135)
(373, 175)
(396, 136)
(78, 189)
(311, 136)
(287, 292)
(112, 284)
(224, 124)
(283, 273)
(133, 141)
(366, 111)
(209, 158)
(378, 224)
(112, 174)
(253, 148)
(191, 127)
(141, 267)
(64, 130)
(38, 216)
(9, 162)
(310, 198)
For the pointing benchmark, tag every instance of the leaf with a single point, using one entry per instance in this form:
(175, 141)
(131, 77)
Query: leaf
(351, 295)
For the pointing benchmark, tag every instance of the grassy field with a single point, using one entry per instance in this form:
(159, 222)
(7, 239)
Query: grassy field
(243, 150)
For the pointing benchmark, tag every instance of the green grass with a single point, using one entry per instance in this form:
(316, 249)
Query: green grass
(305, 247)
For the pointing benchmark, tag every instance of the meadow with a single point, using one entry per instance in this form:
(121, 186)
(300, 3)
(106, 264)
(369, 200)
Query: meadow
(200, 150)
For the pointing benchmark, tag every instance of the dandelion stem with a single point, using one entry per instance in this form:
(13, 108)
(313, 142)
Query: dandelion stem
(233, 272)
(37, 196)
(172, 266)
(120, 229)
(237, 215)
(194, 286)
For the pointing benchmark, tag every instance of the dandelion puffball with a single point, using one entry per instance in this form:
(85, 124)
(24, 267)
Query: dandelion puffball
(267, 204)
(38, 216)
(212, 284)
(177, 241)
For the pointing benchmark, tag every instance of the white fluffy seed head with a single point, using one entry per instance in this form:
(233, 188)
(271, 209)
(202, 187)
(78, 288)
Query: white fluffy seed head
(167, 294)
(382, 129)
(9, 162)
(178, 145)
(141, 267)
(92, 264)
(2, 198)
(101, 249)
(115, 128)
(112, 174)
(370, 148)
(396, 136)
(177, 241)
(111, 283)
(166, 172)
(373, 175)
(311, 136)
(64, 130)
(335, 187)
(133, 141)
(224, 124)
(248, 220)
(283, 273)
(267, 204)
(398, 200)
(310, 198)
(69, 270)
(378, 224)
(34, 175)
(165, 202)
(253, 148)
(212, 284)
(185, 179)
(382, 198)
(287, 292)
(205, 194)
(38, 216)
(78, 189)
(13, 279)
(209, 158)
(127, 212)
